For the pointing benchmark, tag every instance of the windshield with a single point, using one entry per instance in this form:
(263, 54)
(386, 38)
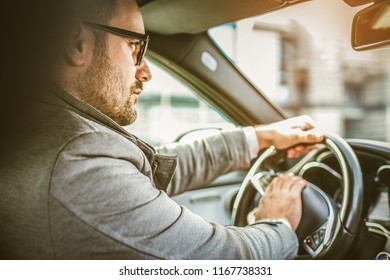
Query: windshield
(301, 58)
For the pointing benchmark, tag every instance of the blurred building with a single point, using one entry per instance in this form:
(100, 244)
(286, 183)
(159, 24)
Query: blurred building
(347, 92)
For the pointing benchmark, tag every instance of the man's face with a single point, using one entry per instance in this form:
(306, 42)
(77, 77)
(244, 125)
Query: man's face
(112, 83)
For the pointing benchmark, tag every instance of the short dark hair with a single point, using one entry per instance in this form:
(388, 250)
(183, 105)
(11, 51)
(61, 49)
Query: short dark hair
(100, 11)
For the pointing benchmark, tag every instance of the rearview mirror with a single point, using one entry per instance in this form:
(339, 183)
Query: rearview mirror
(371, 27)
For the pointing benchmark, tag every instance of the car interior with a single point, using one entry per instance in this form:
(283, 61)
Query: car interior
(346, 208)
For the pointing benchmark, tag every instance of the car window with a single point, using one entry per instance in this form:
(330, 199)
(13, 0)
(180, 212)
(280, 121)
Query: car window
(170, 109)
(301, 58)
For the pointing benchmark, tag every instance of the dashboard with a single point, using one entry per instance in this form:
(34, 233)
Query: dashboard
(374, 159)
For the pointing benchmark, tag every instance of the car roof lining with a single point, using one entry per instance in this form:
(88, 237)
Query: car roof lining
(194, 16)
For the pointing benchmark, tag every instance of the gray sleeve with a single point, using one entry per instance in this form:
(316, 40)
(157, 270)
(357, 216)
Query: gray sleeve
(104, 207)
(204, 160)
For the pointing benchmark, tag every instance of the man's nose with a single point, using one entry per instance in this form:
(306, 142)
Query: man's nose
(143, 73)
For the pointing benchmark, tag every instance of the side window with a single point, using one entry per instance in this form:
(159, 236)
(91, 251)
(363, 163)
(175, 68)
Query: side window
(167, 109)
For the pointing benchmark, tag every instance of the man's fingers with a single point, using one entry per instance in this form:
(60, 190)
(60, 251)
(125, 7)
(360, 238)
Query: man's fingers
(291, 182)
(297, 136)
(298, 186)
(288, 182)
(299, 150)
(283, 182)
(310, 137)
(275, 184)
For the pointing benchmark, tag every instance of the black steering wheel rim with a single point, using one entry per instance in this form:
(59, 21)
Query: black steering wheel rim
(346, 220)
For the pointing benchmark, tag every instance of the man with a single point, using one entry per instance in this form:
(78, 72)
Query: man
(79, 186)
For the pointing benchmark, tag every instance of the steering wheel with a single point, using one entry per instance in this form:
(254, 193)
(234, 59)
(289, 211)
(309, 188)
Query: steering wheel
(327, 227)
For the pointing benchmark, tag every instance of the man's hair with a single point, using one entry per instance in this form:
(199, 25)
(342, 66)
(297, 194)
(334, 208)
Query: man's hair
(100, 11)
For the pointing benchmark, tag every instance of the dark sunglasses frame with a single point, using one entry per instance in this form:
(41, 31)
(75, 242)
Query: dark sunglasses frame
(125, 33)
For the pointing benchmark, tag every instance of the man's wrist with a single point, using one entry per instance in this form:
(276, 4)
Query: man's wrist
(265, 136)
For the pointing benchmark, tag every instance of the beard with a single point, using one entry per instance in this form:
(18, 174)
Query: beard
(103, 86)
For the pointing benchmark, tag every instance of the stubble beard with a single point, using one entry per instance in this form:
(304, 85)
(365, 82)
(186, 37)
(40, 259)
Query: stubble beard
(103, 87)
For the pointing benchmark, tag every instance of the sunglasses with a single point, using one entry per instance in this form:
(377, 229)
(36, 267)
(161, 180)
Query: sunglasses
(140, 47)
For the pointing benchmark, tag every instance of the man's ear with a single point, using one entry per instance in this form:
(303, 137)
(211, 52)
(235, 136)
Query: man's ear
(80, 45)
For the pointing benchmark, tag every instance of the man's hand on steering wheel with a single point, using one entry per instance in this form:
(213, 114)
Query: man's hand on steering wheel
(289, 134)
(283, 196)
(282, 199)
